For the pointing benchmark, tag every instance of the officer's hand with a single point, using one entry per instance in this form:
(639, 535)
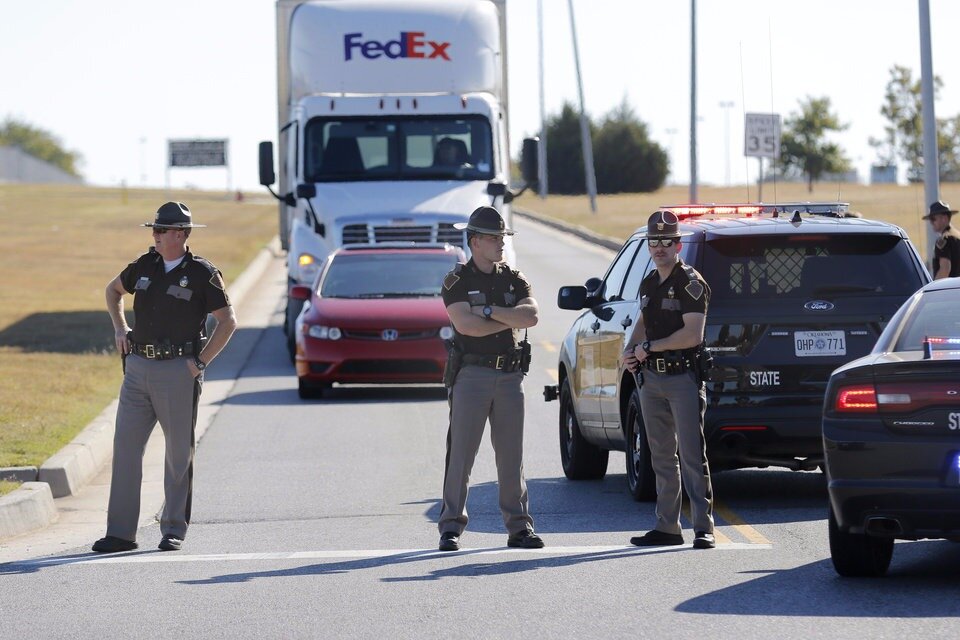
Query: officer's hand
(629, 360)
(194, 372)
(120, 338)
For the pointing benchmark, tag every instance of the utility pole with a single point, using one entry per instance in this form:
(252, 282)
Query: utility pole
(542, 156)
(693, 101)
(586, 143)
(931, 162)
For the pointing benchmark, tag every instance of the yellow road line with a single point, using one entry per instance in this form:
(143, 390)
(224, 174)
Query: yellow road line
(554, 374)
(549, 346)
(737, 523)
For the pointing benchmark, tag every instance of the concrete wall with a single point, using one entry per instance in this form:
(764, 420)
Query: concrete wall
(18, 166)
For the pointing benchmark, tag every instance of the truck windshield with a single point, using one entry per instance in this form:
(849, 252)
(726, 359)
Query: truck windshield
(398, 148)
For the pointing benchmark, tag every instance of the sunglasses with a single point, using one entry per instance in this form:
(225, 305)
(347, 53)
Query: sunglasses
(159, 231)
(661, 242)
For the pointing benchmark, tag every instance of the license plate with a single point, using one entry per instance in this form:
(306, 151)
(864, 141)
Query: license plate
(819, 343)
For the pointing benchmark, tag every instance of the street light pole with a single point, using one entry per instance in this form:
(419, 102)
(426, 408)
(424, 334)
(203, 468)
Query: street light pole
(726, 105)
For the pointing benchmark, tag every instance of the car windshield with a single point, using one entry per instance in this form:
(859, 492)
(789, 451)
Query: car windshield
(398, 148)
(385, 275)
(937, 315)
(808, 266)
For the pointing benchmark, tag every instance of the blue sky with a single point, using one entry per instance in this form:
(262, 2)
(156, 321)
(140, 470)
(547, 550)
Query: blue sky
(116, 79)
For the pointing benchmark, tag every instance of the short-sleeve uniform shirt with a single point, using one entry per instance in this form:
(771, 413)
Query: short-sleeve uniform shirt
(664, 303)
(503, 288)
(172, 306)
(948, 246)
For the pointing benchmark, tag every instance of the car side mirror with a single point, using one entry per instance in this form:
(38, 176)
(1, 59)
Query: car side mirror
(267, 174)
(300, 292)
(572, 298)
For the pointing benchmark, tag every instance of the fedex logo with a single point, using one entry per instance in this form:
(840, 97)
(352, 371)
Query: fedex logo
(410, 45)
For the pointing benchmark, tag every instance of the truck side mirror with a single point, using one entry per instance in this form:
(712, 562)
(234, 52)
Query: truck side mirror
(530, 161)
(496, 189)
(307, 190)
(267, 175)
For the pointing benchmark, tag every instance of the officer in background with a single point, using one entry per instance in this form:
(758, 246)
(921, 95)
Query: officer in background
(946, 252)
(487, 302)
(666, 345)
(164, 358)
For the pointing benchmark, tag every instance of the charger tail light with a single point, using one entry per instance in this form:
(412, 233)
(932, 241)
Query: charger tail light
(899, 397)
(856, 399)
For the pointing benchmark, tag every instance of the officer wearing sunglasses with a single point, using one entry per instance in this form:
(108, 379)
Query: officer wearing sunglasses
(664, 348)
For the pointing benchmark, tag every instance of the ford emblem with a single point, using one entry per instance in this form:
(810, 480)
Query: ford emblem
(818, 305)
(389, 334)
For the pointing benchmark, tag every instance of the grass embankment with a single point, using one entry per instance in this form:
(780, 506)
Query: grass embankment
(59, 246)
(619, 215)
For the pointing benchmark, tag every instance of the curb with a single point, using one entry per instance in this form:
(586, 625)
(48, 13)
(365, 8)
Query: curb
(28, 508)
(31, 506)
(580, 232)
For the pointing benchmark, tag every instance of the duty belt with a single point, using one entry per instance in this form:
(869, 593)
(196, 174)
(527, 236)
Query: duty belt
(669, 363)
(505, 362)
(162, 350)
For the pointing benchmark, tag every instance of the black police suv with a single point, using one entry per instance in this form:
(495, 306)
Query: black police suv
(798, 290)
(891, 435)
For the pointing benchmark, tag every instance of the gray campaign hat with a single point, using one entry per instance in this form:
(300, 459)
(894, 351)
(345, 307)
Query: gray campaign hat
(173, 215)
(665, 224)
(939, 207)
(486, 220)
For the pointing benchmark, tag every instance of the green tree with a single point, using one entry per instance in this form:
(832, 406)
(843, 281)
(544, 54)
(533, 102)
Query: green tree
(625, 159)
(40, 144)
(803, 145)
(564, 152)
(903, 135)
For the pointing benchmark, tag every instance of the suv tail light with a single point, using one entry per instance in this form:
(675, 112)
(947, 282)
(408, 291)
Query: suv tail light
(898, 397)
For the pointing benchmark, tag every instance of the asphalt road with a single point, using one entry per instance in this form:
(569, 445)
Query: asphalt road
(317, 519)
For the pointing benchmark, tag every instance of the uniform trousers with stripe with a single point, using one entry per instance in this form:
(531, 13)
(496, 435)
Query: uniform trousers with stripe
(673, 407)
(479, 394)
(154, 391)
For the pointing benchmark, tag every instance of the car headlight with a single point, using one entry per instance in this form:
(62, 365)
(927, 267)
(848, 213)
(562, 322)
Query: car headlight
(307, 266)
(322, 332)
(446, 332)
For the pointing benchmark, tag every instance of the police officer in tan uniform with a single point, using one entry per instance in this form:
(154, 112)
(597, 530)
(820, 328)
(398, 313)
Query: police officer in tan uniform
(488, 302)
(946, 252)
(666, 345)
(164, 357)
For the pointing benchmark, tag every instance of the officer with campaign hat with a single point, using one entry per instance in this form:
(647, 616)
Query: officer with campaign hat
(164, 357)
(946, 252)
(666, 348)
(488, 303)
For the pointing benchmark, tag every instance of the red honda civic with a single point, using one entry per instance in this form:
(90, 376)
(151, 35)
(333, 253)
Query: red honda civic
(374, 315)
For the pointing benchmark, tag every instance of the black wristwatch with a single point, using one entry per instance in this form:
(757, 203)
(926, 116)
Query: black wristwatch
(199, 364)
(645, 345)
(488, 312)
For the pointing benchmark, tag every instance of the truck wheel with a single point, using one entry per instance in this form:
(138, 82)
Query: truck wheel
(857, 555)
(641, 481)
(311, 390)
(580, 459)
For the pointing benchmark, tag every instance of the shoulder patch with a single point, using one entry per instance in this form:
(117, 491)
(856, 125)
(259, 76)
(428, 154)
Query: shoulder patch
(452, 278)
(694, 288)
(217, 280)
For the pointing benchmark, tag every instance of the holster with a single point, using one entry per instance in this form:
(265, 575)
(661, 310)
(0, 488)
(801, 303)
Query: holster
(703, 362)
(526, 355)
(454, 362)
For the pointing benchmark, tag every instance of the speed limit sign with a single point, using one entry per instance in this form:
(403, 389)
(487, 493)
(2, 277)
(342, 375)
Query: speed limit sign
(761, 137)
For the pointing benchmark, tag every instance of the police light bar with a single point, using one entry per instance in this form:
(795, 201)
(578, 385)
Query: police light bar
(749, 210)
(931, 343)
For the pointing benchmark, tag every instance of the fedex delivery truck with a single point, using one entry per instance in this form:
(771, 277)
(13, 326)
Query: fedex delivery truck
(392, 125)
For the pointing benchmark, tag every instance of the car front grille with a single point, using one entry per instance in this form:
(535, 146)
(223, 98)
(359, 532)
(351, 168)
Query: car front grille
(426, 367)
(375, 334)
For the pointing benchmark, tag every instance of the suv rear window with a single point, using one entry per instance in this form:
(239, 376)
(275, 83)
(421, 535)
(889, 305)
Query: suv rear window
(759, 266)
